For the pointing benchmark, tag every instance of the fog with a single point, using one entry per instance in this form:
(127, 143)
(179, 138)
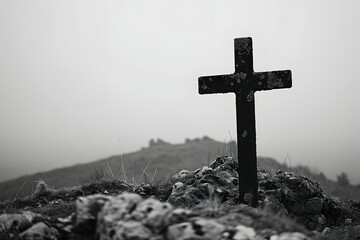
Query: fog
(83, 80)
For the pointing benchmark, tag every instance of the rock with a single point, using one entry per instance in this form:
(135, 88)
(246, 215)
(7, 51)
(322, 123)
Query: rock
(151, 213)
(178, 215)
(202, 171)
(296, 207)
(118, 209)
(205, 183)
(128, 214)
(126, 230)
(272, 203)
(293, 195)
(314, 205)
(266, 233)
(196, 229)
(308, 188)
(290, 236)
(283, 192)
(180, 175)
(218, 161)
(15, 223)
(181, 231)
(40, 231)
(326, 230)
(177, 193)
(244, 233)
(41, 188)
(87, 209)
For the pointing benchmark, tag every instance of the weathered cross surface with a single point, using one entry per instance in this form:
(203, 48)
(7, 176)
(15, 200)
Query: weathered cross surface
(244, 83)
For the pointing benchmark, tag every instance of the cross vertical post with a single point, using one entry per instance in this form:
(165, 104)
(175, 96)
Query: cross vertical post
(244, 83)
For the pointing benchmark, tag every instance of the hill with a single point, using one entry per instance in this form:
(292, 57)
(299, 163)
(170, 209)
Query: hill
(201, 204)
(160, 160)
(156, 163)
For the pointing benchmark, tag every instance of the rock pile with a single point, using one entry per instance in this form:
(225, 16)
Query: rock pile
(282, 192)
(26, 225)
(129, 216)
(200, 204)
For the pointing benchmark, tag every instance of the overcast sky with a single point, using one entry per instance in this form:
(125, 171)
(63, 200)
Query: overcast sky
(83, 80)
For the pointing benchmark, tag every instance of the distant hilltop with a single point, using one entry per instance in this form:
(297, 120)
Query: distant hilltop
(153, 143)
(158, 142)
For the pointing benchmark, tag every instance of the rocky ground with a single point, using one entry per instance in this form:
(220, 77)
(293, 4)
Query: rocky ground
(201, 204)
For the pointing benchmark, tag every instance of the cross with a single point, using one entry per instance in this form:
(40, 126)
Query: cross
(244, 83)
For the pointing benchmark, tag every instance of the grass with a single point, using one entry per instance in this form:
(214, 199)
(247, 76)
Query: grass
(145, 175)
(60, 202)
(207, 160)
(281, 166)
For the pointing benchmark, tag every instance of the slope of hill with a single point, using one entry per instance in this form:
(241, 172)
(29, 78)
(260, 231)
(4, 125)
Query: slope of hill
(160, 160)
(157, 163)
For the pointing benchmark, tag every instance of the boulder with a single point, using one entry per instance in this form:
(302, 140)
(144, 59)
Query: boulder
(16, 222)
(87, 209)
(40, 231)
(118, 209)
(152, 214)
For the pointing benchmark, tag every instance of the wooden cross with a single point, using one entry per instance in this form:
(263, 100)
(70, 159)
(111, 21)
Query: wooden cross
(244, 83)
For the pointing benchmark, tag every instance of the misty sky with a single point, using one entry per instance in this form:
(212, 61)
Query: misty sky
(83, 80)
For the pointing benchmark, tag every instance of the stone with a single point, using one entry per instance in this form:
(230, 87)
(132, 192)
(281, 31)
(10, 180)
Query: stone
(40, 231)
(87, 209)
(126, 230)
(178, 215)
(326, 230)
(115, 210)
(177, 194)
(272, 203)
(151, 213)
(15, 222)
(180, 175)
(206, 183)
(309, 188)
(296, 207)
(41, 188)
(201, 172)
(218, 162)
(196, 229)
(290, 236)
(314, 205)
(244, 233)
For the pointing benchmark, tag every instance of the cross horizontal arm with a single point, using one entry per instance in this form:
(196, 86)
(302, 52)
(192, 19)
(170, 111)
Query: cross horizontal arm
(221, 83)
(272, 80)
